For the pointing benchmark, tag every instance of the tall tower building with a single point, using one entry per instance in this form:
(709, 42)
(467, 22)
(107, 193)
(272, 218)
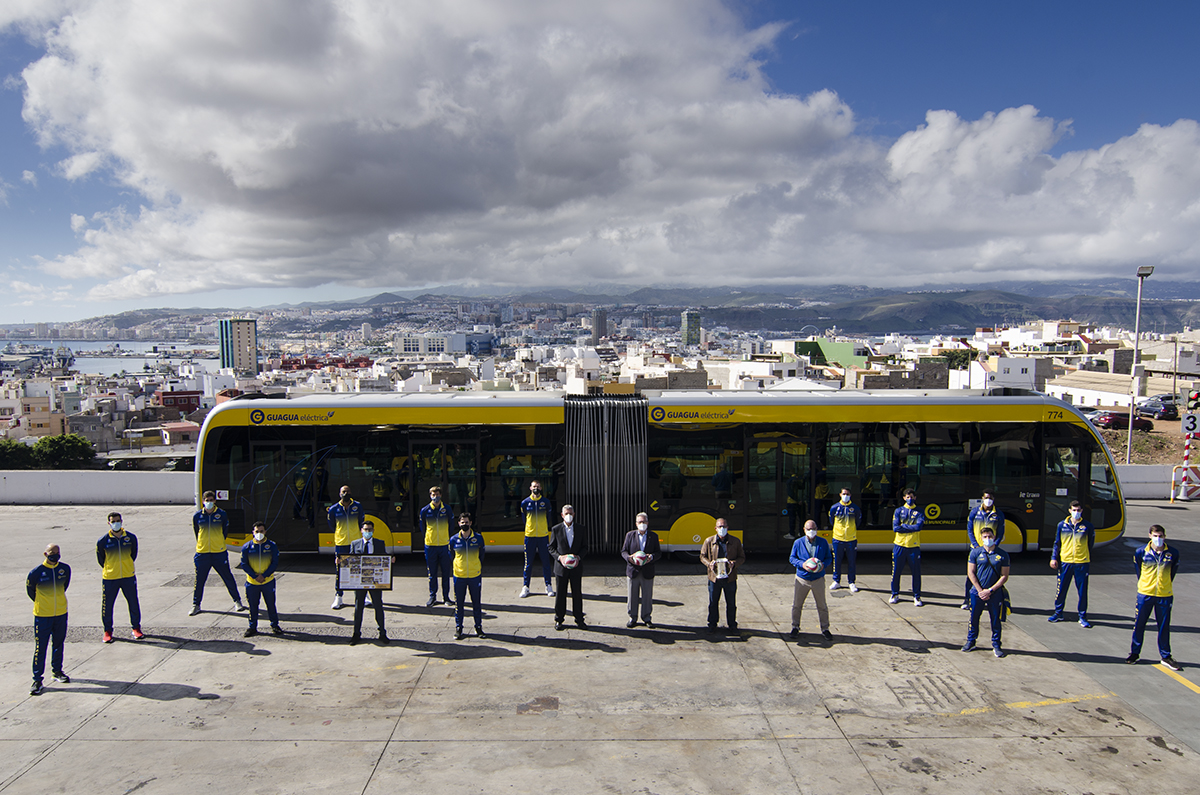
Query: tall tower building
(239, 344)
(599, 326)
(689, 327)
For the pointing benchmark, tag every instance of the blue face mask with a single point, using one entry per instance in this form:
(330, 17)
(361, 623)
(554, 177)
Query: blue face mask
(989, 542)
(367, 535)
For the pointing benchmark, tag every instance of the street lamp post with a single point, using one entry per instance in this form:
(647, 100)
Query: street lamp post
(1143, 273)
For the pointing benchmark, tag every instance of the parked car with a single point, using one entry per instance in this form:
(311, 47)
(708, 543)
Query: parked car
(1158, 409)
(1113, 421)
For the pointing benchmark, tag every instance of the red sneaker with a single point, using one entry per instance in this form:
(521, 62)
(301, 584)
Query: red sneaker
(138, 634)
(108, 637)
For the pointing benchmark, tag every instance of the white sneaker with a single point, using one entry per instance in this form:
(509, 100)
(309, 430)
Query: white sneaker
(238, 607)
(549, 591)
(918, 603)
(895, 600)
(853, 588)
(524, 591)
(833, 586)
(338, 604)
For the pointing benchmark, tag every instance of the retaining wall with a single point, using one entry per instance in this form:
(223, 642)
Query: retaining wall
(96, 487)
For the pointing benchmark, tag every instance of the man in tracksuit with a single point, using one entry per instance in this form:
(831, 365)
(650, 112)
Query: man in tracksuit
(1071, 556)
(906, 546)
(116, 551)
(468, 550)
(211, 526)
(987, 568)
(345, 517)
(260, 558)
(536, 510)
(844, 518)
(47, 587)
(986, 514)
(435, 520)
(1156, 566)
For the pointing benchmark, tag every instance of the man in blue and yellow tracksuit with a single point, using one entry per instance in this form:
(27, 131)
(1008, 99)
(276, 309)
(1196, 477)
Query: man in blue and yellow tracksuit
(260, 558)
(844, 518)
(1156, 566)
(116, 551)
(907, 522)
(47, 587)
(536, 509)
(435, 521)
(986, 514)
(1072, 555)
(211, 525)
(468, 550)
(345, 518)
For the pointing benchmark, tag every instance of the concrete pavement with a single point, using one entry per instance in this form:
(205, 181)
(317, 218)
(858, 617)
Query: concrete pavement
(892, 705)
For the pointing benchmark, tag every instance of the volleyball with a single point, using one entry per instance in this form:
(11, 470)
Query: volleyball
(813, 565)
(569, 561)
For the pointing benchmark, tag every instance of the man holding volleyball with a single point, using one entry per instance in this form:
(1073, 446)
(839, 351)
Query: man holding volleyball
(811, 555)
(568, 547)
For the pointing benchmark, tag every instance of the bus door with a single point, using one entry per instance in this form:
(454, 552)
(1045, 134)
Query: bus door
(283, 494)
(777, 486)
(1064, 474)
(452, 465)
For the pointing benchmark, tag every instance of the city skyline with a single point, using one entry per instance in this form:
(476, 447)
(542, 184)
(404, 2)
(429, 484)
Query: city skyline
(208, 163)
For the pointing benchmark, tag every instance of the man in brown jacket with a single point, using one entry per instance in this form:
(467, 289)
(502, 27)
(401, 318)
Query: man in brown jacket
(722, 555)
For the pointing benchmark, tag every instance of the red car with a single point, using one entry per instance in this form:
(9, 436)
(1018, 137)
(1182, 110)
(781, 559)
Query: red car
(1113, 421)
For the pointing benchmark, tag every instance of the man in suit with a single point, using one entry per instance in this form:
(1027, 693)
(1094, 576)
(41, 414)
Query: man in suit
(566, 538)
(641, 578)
(722, 546)
(368, 545)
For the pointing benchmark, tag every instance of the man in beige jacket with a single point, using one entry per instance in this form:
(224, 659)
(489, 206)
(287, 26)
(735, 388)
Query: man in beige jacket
(723, 556)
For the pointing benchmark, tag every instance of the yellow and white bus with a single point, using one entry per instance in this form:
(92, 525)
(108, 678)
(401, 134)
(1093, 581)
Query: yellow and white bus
(764, 460)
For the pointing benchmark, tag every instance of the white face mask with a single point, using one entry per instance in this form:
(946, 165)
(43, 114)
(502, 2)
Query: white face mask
(722, 531)
(568, 519)
(987, 502)
(116, 526)
(259, 537)
(1158, 542)
(1076, 515)
(811, 534)
(845, 499)
(989, 542)
(642, 527)
(209, 505)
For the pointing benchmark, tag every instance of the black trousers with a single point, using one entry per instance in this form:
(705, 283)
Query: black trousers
(360, 603)
(573, 578)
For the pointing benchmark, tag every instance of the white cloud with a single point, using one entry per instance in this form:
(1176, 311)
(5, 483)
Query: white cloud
(78, 223)
(29, 177)
(366, 143)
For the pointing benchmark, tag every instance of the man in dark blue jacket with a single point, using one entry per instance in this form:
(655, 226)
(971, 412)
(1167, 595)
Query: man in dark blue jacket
(47, 587)
(260, 558)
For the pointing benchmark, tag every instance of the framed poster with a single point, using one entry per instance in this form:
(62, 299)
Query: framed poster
(365, 572)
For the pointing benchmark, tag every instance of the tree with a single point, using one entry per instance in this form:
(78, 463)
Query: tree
(15, 455)
(70, 451)
(959, 360)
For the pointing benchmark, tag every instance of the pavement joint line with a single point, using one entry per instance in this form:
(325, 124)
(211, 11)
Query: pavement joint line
(1049, 702)
(395, 726)
(1179, 678)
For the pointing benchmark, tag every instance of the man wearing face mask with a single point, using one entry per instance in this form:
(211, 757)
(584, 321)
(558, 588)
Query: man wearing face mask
(568, 548)
(536, 510)
(986, 514)
(260, 558)
(844, 518)
(722, 546)
(47, 587)
(1072, 556)
(640, 550)
(906, 546)
(116, 551)
(1156, 566)
(810, 555)
(468, 549)
(368, 545)
(987, 568)
(211, 525)
(344, 517)
(435, 520)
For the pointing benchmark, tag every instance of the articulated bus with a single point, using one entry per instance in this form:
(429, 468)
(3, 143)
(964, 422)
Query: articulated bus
(766, 461)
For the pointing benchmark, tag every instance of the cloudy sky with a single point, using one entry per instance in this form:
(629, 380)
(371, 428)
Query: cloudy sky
(218, 152)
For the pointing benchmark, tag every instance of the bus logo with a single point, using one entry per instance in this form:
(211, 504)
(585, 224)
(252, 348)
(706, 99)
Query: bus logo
(933, 511)
(257, 416)
(657, 413)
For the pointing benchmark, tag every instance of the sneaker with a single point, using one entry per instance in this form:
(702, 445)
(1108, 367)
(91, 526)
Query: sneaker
(790, 537)
(195, 611)
(432, 601)
(250, 632)
(108, 638)
(276, 629)
(826, 634)
(969, 646)
(138, 634)
(853, 588)
(1083, 622)
(238, 607)
(338, 604)
(918, 603)
(458, 633)
(1131, 659)
(1170, 663)
(524, 591)
(479, 632)
(895, 600)
(1054, 619)
(795, 633)
(62, 677)
(36, 689)
(965, 606)
(833, 586)
(549, 590)
(999, 652)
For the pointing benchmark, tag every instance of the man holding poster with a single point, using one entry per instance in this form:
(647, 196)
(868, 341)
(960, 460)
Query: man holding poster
(367, 545)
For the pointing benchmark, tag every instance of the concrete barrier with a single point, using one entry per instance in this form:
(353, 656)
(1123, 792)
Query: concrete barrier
(1145, 481)
(95, 487)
